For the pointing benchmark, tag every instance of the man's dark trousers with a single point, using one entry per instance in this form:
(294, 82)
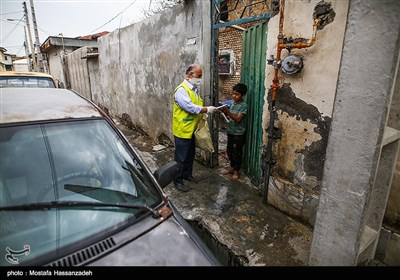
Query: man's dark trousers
(185, 151)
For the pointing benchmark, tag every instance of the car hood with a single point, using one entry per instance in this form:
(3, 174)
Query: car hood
(168, 244)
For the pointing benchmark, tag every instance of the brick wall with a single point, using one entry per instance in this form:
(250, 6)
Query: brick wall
(231, 39)
(254, 7)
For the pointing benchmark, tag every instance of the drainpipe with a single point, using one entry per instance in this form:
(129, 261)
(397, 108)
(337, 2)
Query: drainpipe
(271, 132)
(281, 45)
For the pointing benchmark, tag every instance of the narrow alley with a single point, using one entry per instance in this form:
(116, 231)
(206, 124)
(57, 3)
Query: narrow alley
(321, 126)
(229, 215)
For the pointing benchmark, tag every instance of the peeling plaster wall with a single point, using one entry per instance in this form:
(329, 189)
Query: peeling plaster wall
(304, 107)
(141, 64)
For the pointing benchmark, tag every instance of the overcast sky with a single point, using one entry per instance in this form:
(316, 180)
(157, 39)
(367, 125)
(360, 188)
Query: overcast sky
(72, 18)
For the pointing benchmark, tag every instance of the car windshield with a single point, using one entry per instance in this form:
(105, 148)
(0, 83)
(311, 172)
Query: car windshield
(73, 161)
(21, 81)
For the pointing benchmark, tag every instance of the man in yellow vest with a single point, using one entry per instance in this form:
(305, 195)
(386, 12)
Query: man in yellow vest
(187, 111)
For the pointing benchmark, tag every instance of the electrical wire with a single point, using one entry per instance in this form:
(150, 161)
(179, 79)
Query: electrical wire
(113, 17)
(43, 30)
(11, 31)
(19, 50)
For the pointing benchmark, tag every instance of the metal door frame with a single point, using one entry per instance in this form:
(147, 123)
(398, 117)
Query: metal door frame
(216, 24)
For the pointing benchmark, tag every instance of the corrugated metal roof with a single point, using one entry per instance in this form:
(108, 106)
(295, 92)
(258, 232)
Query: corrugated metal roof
(33, 104)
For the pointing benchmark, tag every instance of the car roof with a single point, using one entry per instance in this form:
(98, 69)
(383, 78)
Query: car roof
(25, 74)
(34, 104)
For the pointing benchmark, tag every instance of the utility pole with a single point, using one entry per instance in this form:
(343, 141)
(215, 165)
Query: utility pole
(26, 45)
(40, 64)
(30, 37)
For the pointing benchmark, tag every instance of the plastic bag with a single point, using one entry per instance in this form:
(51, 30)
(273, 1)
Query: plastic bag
(203, 136)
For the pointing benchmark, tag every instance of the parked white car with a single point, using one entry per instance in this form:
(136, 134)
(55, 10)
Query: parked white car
(26, 79)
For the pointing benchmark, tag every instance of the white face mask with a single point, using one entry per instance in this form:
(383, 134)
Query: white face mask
(195, 81)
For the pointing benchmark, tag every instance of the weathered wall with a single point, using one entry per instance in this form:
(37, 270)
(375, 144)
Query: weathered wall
(78, 72)
(2, 59)
(304, 107)
(141, 64)
(55, 64)
(93, 69)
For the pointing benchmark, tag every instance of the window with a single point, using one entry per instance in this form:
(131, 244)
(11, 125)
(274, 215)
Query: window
(26, 81)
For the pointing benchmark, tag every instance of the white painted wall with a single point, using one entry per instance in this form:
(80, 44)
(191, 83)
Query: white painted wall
(21, 65)
(316, 83)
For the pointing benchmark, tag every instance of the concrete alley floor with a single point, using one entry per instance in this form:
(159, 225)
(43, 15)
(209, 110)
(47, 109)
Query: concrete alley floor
(229, 215)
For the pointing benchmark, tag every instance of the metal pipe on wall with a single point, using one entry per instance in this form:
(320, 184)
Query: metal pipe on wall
(274, 88)
(272, 132)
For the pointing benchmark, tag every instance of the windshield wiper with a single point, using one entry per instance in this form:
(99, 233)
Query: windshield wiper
(101, 194)
(73, 203)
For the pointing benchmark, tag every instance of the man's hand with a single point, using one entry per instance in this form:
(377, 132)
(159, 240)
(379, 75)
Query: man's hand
(211, 109)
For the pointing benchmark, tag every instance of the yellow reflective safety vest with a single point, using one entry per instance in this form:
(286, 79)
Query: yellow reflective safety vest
(184, 123)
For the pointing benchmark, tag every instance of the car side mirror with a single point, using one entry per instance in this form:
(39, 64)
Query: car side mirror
(166, 173)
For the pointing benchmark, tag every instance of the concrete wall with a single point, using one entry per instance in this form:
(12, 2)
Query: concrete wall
(55, 63)
(355, 184)
(388, 250)
(94, 74)
(304, 107)
(78, 72)
(141, 64)
(392, 215)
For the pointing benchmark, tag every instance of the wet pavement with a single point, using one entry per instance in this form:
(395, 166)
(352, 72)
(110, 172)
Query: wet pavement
(229, 215)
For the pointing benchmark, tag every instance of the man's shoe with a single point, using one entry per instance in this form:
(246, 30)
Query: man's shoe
(192, 179)
(182, 187)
